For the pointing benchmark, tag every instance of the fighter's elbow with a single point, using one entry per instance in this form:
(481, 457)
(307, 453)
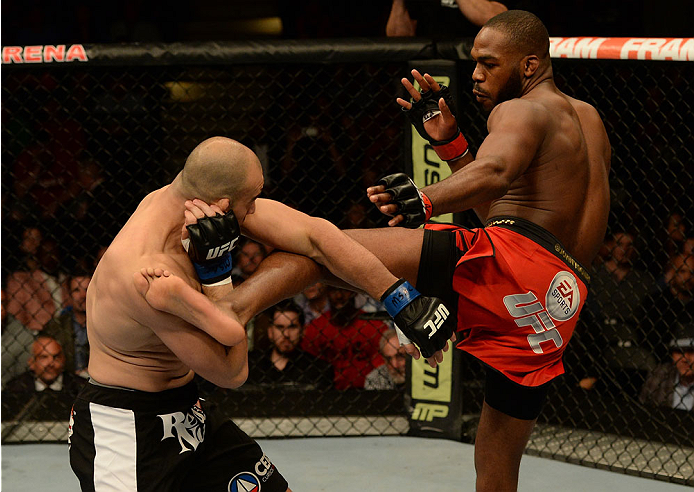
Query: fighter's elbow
(498, 180)
(236, 380)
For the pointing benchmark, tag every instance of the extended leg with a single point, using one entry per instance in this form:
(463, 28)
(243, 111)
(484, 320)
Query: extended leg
(282, 275)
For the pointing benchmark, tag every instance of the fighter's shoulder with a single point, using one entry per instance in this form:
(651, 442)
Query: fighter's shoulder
(585, 111)
(521, 111)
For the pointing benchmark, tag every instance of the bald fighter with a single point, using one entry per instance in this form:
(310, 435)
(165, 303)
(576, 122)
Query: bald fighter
(539, 183)
(139, 424)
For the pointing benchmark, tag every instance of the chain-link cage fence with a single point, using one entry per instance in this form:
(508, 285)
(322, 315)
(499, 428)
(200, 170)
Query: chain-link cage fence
(83, 142)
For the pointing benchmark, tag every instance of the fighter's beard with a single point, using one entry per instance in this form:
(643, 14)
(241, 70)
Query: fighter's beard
(512, 89)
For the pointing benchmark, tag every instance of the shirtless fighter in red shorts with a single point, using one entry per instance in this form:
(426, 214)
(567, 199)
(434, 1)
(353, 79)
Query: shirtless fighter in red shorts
(539, 182)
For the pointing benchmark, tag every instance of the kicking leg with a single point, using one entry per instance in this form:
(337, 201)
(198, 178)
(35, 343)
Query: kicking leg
(166, 292)
(282, 275)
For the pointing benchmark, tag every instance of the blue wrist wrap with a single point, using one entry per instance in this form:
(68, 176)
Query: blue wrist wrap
(404, 294)
(214, 271)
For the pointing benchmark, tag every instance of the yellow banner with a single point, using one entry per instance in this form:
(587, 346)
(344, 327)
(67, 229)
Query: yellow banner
(433, 384)
(427, 168)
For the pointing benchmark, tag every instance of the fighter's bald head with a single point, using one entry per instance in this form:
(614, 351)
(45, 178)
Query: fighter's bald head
(217, 168)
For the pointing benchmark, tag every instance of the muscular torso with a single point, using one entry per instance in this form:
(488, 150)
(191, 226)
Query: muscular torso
(565, 188)
(123, 351)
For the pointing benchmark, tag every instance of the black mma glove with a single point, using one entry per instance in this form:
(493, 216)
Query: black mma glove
(428, 107)
(424, 320)
(209, 247)
(412, 203)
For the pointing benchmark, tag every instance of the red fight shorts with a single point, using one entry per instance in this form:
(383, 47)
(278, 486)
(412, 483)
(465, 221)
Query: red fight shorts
(516, 290)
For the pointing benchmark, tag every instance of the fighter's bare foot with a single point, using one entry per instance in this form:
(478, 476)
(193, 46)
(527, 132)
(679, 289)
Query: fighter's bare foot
(166, 292)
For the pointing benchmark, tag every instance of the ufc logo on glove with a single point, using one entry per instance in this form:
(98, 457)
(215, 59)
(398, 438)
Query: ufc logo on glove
(434, 325)
(220, 250)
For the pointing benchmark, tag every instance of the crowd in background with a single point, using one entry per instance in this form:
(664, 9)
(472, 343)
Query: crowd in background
(64, 183)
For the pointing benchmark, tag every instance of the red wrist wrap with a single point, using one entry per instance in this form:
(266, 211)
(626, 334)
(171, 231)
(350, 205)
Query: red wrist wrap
(452, 150)
(427, 206)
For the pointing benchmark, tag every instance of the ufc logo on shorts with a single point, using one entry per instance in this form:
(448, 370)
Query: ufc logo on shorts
(528, 311)
(220, 250)
(435, 324)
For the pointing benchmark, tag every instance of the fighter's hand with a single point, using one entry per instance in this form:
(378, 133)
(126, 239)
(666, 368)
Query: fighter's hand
(437, 115)
(197, 209)
(397, 195)
(435, 359)
(423, 320)
(384, 203)
(432, 113)
(211, 236)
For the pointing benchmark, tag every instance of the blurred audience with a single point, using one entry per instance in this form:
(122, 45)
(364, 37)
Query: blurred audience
(341, 337)
(69, 328)
(35, 293)
(16, 344)
(46, 371)
(247, 257)
(285, 363)
(313, 301)
(390, 375)
(670, 305)
(613, 337)
(676, 234)
(672, 384)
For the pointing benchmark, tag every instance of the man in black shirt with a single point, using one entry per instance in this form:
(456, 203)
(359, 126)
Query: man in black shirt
(285, 364)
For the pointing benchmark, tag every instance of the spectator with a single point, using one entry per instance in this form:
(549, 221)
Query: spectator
(248, 257)
(390, 375)
(313, 301)
(16, 345)
(312, 159)
(670, 305)
(676, 234)
(672, 384)
(70, 327)
(46, 372)
(617, 292)
(441, 18)
(285, 363)
(34, 294)
(345, 340)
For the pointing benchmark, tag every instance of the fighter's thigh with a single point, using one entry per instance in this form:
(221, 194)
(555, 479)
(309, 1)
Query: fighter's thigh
(399, 249)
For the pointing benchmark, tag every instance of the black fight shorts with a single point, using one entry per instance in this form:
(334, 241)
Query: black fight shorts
(127, 440)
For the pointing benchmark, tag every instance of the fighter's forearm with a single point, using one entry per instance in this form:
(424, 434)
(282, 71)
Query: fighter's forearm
(480, 11)
(237, 358)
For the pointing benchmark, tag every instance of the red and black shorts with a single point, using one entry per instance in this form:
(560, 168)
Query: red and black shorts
(130, 440)
(516, 293)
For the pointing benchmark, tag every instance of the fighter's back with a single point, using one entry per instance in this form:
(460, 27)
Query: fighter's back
(123, 351)
(565, 188)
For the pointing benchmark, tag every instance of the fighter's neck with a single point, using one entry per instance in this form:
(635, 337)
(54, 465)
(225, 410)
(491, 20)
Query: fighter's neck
(167, 206)
(540, 81)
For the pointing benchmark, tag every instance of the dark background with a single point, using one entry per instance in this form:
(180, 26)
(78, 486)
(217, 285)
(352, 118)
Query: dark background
(81, 21)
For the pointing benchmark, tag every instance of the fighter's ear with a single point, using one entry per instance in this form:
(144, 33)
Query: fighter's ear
(530, 65)
(224, 204)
